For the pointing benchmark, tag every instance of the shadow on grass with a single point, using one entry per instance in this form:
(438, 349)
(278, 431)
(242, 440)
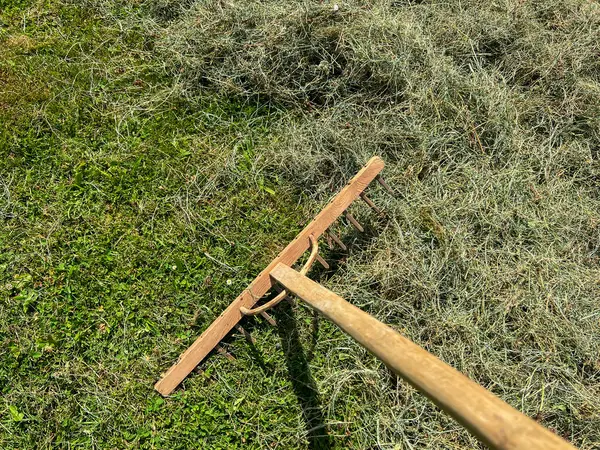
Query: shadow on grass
(303, 383)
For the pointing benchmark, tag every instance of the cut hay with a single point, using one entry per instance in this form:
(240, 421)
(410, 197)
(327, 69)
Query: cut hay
(488, 115)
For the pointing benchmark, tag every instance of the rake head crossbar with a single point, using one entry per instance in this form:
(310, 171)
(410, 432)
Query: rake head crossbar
(263, 283)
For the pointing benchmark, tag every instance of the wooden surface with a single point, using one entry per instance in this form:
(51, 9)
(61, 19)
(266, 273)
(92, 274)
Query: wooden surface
(262, 283)
(493, 421)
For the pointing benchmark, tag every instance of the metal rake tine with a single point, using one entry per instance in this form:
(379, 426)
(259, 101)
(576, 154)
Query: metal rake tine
(337, 240)
(354, 222)
(382, 182)
(369, 202)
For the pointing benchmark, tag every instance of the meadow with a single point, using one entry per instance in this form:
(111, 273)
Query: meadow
(155, 155)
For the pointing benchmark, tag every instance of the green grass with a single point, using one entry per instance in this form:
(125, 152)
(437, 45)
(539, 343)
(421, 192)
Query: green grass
(119, 213)
(154, 157)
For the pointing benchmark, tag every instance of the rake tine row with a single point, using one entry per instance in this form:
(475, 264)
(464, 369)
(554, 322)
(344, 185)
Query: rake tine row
(330, 236)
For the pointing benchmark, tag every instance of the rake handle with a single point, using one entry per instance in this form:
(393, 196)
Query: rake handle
(494, 422)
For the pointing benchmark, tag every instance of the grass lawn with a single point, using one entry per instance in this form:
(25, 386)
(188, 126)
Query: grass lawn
(126, 229)
(155, 156)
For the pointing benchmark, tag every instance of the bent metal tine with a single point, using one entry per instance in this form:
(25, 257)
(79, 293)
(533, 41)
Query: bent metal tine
(263, 283)
(494, 422)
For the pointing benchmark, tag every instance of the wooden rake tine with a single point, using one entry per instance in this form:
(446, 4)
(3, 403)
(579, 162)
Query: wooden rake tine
(486, 416)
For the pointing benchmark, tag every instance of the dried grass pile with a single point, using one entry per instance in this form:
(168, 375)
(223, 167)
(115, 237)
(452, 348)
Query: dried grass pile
(488, 114)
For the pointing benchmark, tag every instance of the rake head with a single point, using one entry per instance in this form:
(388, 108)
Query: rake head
(306, 239)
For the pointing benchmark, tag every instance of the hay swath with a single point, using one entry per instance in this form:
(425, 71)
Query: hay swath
(485, 415)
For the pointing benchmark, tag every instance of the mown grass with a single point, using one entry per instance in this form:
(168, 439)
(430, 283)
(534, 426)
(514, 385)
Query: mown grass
(156, 155)
(125, 212)
(487, 115)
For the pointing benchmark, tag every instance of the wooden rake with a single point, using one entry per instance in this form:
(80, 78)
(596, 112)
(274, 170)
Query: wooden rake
(486, 416)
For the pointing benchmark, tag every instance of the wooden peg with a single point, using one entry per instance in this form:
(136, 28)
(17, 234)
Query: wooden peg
(247, 335)
(337, 240)
(269, 319)
(324, 263)
(225, 353)
(354, 222)
(382, 182)
(329, 241)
